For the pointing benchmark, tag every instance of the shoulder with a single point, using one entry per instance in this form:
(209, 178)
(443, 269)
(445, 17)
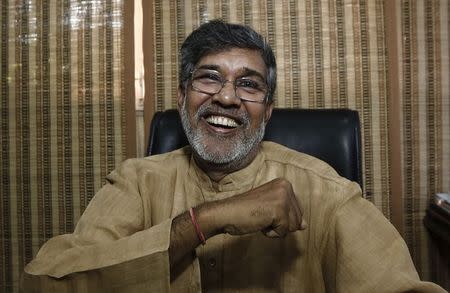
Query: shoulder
(278, 154)
(309, 173)
(158, 164)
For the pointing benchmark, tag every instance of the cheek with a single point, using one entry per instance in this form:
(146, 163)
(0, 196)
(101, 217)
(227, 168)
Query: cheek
(189, 106)
(256, 116)
(193, 102)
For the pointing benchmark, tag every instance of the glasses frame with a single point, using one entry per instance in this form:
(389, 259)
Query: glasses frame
(224, 81)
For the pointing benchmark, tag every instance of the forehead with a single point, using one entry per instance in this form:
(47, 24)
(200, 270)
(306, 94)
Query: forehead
(234, 60)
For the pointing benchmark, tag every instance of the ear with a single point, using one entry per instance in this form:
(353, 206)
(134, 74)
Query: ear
(181, 95)
(268, 112)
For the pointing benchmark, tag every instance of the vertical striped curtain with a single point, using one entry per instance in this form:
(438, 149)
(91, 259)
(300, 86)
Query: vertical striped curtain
(424, 92)
(332, 54)
(62, 118)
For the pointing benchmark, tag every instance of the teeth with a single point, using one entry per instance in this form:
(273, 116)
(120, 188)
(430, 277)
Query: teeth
(220, 120)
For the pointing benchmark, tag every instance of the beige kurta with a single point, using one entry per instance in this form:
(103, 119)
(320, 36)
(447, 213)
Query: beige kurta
(121, 242)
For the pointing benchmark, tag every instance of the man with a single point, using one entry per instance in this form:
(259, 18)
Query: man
(229, 212)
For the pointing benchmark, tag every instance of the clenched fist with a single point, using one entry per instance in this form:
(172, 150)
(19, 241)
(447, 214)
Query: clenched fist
(271, 208)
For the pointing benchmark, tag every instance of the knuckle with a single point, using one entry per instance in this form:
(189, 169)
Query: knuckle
(282, 182)
(285, 186)
(282, 187)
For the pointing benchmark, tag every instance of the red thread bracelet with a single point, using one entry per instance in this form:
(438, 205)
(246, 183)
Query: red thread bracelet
(197, 227)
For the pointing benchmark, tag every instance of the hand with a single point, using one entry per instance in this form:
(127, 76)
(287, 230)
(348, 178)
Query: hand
(271, 208)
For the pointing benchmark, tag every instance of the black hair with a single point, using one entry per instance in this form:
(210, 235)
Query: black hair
(217, 36)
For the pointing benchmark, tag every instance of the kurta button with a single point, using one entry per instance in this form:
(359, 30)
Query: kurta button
(212, 262)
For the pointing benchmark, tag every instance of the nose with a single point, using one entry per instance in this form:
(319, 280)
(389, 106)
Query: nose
(227, 95)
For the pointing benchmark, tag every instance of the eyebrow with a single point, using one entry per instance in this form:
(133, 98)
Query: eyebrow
(245, 71)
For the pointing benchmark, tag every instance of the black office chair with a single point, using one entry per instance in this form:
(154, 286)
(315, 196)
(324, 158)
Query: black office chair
(332, 135)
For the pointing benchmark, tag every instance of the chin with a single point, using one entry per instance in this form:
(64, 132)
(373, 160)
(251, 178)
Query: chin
(233, 157)
(219, 150)
(216, 157)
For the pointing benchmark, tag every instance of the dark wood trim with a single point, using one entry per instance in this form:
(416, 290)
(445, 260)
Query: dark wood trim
(128, 75)
(394, 111)
(149, 52)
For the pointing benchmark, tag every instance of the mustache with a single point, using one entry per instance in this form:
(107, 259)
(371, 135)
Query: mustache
(204, 110)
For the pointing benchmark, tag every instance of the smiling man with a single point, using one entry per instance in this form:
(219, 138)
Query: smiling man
(228, 212)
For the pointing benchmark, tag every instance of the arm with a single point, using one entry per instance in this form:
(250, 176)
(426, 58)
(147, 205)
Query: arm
(271, 208)
(111, 240)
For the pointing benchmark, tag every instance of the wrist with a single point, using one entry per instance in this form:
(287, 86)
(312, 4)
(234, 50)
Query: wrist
(207, 219)
(197, 228)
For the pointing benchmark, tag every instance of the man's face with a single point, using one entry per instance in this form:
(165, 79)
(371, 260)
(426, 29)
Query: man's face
(220, 127)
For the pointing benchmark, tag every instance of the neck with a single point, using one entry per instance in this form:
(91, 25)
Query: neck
(217, 172)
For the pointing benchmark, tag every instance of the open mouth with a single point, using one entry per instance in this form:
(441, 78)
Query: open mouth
(222, 122)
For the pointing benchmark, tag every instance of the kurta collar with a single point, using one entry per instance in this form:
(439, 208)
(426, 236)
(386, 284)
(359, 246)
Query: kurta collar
(233, 181)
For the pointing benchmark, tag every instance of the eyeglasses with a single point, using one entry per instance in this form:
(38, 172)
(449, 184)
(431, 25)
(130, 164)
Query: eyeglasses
(248, 89)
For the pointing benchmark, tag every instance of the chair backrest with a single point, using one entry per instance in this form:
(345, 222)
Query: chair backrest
(332, 135)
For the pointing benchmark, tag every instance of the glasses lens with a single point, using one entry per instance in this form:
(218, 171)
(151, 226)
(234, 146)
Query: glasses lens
(251, 88)
(207, 81)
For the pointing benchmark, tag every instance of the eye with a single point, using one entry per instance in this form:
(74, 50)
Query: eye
(207, 77)
(249, 85)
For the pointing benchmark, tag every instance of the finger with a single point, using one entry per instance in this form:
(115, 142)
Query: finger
(295, 216)
(298, 212)
(301, 220)
(294, 223)
(271, 234)
(303, 224)
(282, 227)
(281, 230)
(278, 230)
(295, 204)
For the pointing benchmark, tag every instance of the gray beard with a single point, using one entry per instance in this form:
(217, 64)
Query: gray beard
(241, 146)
